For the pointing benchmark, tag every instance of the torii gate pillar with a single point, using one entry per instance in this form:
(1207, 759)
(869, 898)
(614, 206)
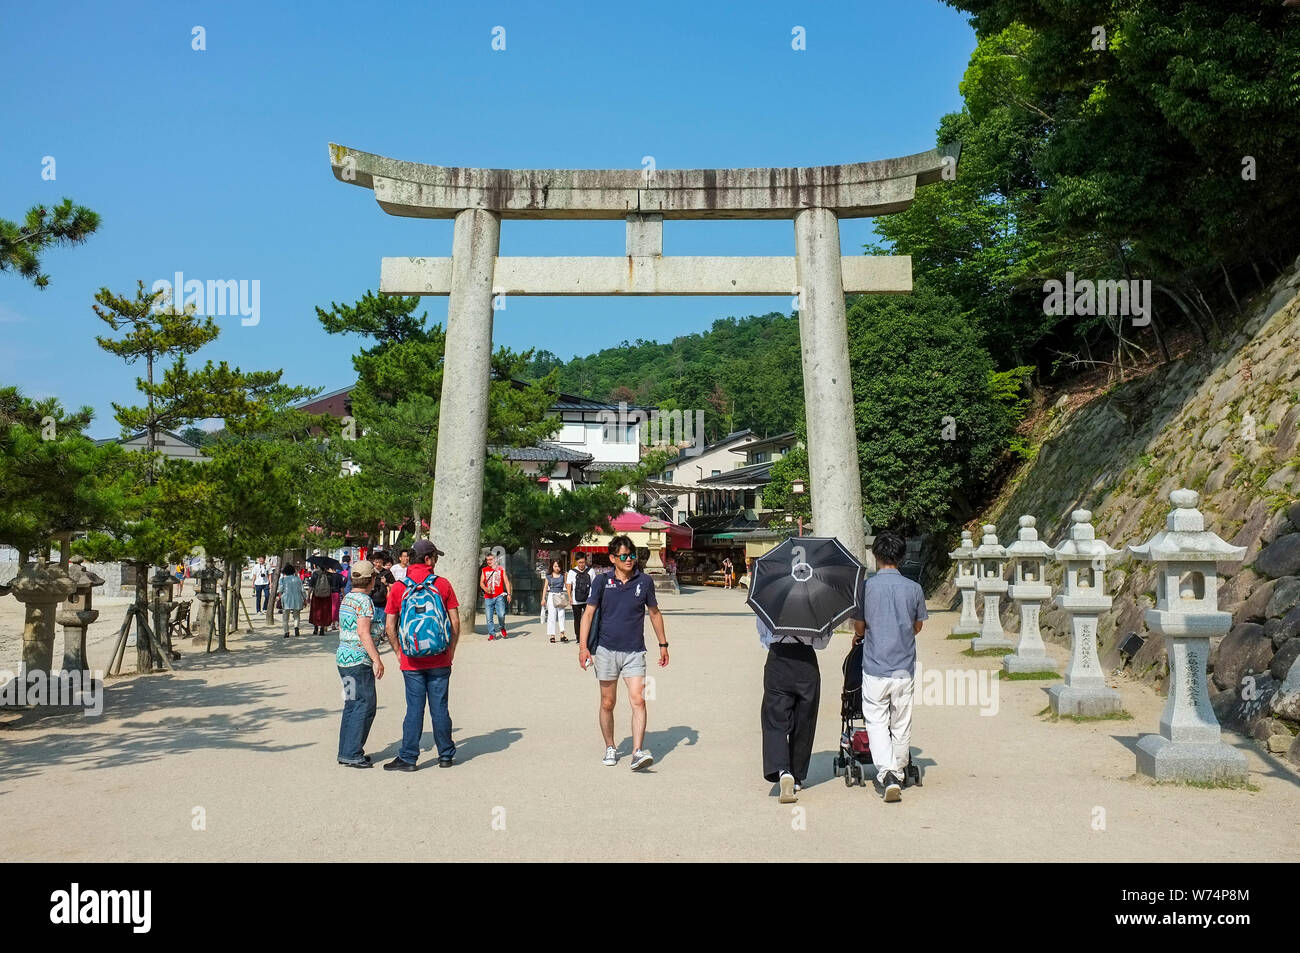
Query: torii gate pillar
(457, 512)
(827, 387)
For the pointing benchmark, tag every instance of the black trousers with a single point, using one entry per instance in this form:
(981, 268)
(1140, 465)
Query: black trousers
(792, 686)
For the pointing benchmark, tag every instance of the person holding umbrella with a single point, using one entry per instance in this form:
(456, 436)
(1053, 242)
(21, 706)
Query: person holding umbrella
(799, 592)
(321, 611)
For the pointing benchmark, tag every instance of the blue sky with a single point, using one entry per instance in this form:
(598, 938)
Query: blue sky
(214, 162)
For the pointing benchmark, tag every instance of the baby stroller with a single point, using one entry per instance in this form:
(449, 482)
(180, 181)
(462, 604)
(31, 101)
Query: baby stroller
(855, 749)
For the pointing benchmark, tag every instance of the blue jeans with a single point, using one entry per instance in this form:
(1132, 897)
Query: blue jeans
(495, 605)
(359, 704)
(261, 597)
(430, 684)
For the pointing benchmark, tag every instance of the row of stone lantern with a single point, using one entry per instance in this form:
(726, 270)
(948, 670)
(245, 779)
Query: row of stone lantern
(1189, 745)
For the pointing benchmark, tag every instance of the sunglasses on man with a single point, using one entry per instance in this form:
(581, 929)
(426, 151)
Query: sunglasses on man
(624, 557)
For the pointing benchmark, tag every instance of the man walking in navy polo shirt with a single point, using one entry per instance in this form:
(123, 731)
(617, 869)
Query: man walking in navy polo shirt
(624, 597)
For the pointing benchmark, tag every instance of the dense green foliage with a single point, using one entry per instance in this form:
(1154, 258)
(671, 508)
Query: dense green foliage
(1163, 148)
(933, 416)
(741, 372)
(54, 479)
(931, 427)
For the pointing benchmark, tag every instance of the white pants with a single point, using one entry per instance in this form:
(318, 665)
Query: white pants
(554, 616)
(887, 708)
(284, 619)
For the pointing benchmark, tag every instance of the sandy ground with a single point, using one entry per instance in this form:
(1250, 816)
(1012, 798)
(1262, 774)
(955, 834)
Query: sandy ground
(232, 758)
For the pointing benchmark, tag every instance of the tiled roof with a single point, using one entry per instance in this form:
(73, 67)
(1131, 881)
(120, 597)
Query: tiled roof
(789, 437)
(605, 466)
(320, 397)
(759, 474)
(543, 452)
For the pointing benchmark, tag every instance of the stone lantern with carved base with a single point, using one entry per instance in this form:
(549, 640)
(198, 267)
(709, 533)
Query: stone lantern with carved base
(164, 584)
(77, 613)
(990, 562)
(1085, 692)
(1029, 556)
(964, 579)
(41, 586)
(207, 599)
(1189, 746)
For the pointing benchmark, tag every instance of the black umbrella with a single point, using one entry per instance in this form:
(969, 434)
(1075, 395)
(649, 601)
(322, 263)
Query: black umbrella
(324, 562)
(806, 586)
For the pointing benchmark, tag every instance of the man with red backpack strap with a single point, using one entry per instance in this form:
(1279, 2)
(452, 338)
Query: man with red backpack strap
(423, 628)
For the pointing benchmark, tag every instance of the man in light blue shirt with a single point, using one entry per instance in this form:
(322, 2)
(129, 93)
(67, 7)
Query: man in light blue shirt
(893, 608)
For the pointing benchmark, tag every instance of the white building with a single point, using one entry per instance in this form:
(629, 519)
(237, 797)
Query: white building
(674, 492)
(594, 437)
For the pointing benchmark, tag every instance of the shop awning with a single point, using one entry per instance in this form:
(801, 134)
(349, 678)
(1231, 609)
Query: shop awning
(629, 523)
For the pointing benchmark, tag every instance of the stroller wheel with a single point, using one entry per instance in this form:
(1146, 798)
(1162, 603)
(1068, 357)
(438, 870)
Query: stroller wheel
(848, 777)
(915, 773)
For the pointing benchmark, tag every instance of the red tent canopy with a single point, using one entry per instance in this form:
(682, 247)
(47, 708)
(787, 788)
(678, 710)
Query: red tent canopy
(679, 537)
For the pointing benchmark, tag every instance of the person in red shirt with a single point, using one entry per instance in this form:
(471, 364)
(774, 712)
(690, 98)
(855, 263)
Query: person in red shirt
(427, 678)
(495, 586)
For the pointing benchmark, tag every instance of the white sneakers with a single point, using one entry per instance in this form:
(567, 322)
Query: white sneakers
(788, 788)
(641, 758)
(893, 788)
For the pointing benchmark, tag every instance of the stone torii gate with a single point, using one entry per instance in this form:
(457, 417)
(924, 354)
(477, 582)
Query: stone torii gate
(815, 198)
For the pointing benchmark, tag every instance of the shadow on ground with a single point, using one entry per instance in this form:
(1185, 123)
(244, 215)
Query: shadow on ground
(662, 743)
(100, 743)
(821, 769)
(467, 749)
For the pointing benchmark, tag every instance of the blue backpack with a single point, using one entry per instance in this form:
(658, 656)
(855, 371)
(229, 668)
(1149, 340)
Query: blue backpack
(424, 627)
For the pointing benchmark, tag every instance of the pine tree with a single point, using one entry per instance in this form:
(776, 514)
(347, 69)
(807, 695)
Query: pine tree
(21, 246)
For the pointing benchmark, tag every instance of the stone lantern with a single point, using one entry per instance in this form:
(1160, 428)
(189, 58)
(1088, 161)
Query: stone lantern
(41, 587)
(1084, 598)
(1189, 746)
(654, 566)
(163, 584)
(76, 615)
(207, 598)
(1029, 556)
(990, 563)
(964, 579)
(655, 543)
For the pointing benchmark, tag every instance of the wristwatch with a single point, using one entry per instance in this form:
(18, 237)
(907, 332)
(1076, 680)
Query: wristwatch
(663, 645)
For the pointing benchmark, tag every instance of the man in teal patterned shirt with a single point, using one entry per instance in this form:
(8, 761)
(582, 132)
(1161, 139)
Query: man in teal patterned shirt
(359, 666)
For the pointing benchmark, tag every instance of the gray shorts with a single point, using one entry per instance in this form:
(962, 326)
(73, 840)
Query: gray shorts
(611, 665)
